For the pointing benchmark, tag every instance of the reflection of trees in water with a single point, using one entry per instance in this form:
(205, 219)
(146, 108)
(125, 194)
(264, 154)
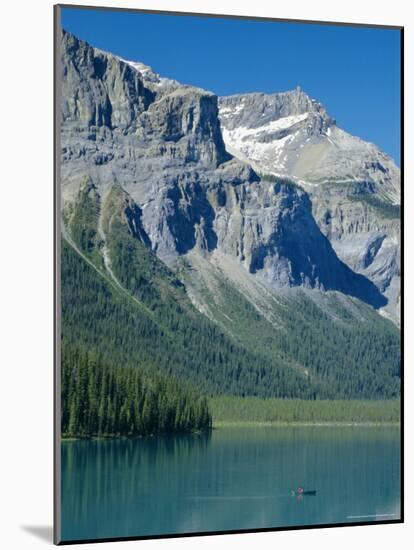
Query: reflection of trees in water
(95, 474)
(181, 483)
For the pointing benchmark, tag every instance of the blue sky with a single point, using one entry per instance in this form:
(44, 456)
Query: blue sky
(353, 71)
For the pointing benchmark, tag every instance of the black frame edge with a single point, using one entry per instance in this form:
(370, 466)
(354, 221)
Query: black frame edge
(231, 532)
(402, 284)
(56, 279)
(231, 16)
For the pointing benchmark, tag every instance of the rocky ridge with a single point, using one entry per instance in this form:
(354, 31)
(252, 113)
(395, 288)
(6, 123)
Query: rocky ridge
(162, 143)
(353, 186)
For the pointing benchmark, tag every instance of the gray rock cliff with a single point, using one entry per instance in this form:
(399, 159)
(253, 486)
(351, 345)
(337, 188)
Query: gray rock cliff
(162, 144)
(353, 186)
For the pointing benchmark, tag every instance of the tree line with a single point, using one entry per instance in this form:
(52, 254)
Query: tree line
(311, 356)
(101, 399)
(231, 409)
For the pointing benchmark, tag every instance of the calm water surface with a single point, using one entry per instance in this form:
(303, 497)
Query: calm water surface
(234, 478)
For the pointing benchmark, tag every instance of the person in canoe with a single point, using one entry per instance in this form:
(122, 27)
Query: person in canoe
(300, 491)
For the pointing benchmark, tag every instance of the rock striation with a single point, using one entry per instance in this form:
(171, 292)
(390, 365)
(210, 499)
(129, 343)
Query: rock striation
(167, 147)
(353, 186)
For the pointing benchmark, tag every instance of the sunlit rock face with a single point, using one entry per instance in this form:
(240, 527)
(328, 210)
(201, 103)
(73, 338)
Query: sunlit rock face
(191, 169)
(354, 187)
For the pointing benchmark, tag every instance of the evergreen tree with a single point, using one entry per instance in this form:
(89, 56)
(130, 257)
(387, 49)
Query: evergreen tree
(111, 400)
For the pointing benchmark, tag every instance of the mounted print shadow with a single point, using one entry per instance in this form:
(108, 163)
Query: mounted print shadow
(228, 226)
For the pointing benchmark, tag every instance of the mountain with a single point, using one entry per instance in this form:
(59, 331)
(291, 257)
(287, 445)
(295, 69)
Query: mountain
(186, 259)
(353, 186)
(121, 302)
(290, 134)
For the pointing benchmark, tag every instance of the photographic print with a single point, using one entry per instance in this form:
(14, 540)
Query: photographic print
(228, 274)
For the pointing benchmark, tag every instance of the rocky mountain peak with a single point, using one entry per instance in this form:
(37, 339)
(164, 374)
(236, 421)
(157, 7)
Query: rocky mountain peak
(151, 77)
(354, 186)
(103, 91)
(254, 110)
(98, 89)
(176, 151)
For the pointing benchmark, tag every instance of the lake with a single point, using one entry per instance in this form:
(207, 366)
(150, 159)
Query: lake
(233, 478)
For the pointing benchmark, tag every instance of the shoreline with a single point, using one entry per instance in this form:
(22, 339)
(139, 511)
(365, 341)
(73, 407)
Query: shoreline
(282, 424)
(256, 411)
(242, 424)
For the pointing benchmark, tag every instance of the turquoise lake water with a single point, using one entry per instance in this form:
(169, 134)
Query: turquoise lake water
(231, 479)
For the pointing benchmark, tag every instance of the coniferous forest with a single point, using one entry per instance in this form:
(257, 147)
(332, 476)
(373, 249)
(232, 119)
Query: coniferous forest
(106, 400)
(137, 355)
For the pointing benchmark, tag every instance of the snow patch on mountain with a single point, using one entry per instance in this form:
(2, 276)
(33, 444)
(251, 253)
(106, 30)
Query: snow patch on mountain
(353, 185)
(292, 135)
(149, 75)
(270, 127)
(244, 146)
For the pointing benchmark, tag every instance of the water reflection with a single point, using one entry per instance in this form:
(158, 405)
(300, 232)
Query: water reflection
(237, 478)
